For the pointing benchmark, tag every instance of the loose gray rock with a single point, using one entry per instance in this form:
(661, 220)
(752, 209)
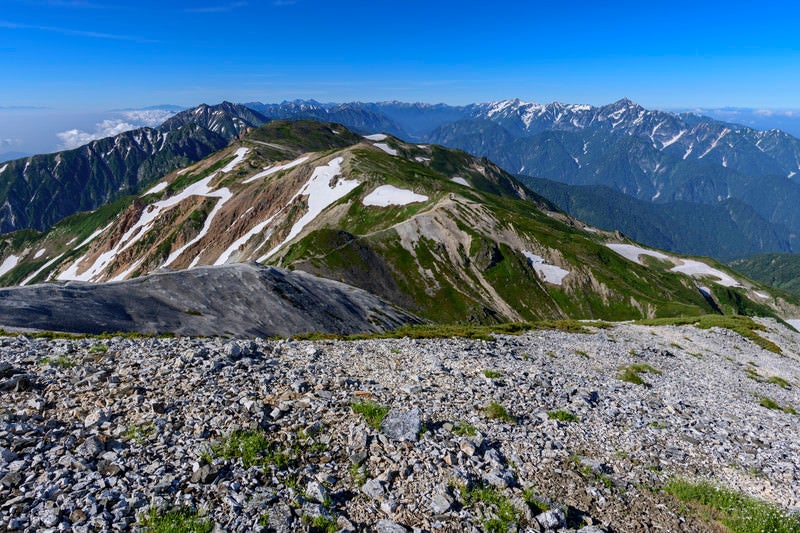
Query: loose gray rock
(402, 425)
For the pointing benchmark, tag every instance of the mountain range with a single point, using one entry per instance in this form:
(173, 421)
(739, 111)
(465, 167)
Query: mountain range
(444, 235)
(683, 163)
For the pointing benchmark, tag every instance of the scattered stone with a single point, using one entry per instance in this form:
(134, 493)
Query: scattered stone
(402, 425)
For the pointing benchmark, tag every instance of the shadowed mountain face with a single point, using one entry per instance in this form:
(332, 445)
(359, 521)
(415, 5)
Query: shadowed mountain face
(36, 192)
(239, 300)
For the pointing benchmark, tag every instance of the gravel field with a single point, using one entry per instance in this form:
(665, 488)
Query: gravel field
(536, 432)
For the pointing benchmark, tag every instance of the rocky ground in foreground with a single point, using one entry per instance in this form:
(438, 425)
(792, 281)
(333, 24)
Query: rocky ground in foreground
(95, 433)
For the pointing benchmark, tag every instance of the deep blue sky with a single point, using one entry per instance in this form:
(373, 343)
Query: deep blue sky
(79, 59)
(108, 53)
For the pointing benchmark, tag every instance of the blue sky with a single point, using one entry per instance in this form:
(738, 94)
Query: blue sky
(84, 56)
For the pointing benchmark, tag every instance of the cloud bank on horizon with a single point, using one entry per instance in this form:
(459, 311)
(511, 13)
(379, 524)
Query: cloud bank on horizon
(122, 121)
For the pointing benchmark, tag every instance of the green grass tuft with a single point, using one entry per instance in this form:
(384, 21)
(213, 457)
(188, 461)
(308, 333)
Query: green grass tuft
(631, 373)
(504, 513)
(372, 412)
(496, 411)
(492, 374)
(743, 325)
(464, 429)
(739, 513)
(175, 521)
(562, 416)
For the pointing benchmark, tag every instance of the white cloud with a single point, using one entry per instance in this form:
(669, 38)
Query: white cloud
(131, 119)
(8, 143)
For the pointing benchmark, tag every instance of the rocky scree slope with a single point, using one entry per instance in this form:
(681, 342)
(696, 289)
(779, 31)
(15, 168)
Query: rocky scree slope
(240, 300)
(445, 235)
(38, 191)
(267, 435)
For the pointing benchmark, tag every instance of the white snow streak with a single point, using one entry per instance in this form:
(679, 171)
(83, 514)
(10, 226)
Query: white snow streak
(461, 181)
(44, 266)
(158, 188)
(632, 252)
(761, 294)
(3, 168)
(794, 322)
(689, 267)
(320, 195)
(385, 147)
(673, 140)
(421, 159)
(272, 170)
(376, 137)
(10, 262)
(240, 153)
(37, 255)
(722, 134)
(548, 273)
(387, 195)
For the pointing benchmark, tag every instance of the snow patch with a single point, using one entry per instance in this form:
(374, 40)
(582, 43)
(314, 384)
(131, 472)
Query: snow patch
(691, 267)
(421, 159)
(158, 188)
(376, 137)
(791, 174)
(320, 194)
(10, 262)
(385, 147)
(794, 322)
(272, 170)
(548, 273)
(387, 195)
(461, 181)
(38, 254)
(3, 168)
(632, 252)
(240, 153)
(590, 229)
(761, 294)
(42, 269)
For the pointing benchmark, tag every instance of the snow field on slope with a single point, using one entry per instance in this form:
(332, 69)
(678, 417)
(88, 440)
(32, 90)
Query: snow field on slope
(688, 267)
(9, 263)
(461, 181)
(376, 137)
(549, 273)
(272, 170)
(320, 195)
(385, 147)
(148, 217)
(387, 195)
(156, 189)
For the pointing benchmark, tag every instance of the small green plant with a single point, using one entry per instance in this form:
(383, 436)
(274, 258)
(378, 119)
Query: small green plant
(562, 416)
(138, 433)
(779, 381)
(496, 411)
(739, 513)
(769, 403)
(631, 373)
(321, 523)
(534, 501)
(464, 429)
(372, 412)
(263, 520)
(98, 348)
(504, 513)
(62, 361)
(582, 353)
(492, 374)
(180, 520)
(357, 474)
(657, 425)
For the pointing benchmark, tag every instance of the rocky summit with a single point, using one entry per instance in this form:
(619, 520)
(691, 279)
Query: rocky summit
(544, 431)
